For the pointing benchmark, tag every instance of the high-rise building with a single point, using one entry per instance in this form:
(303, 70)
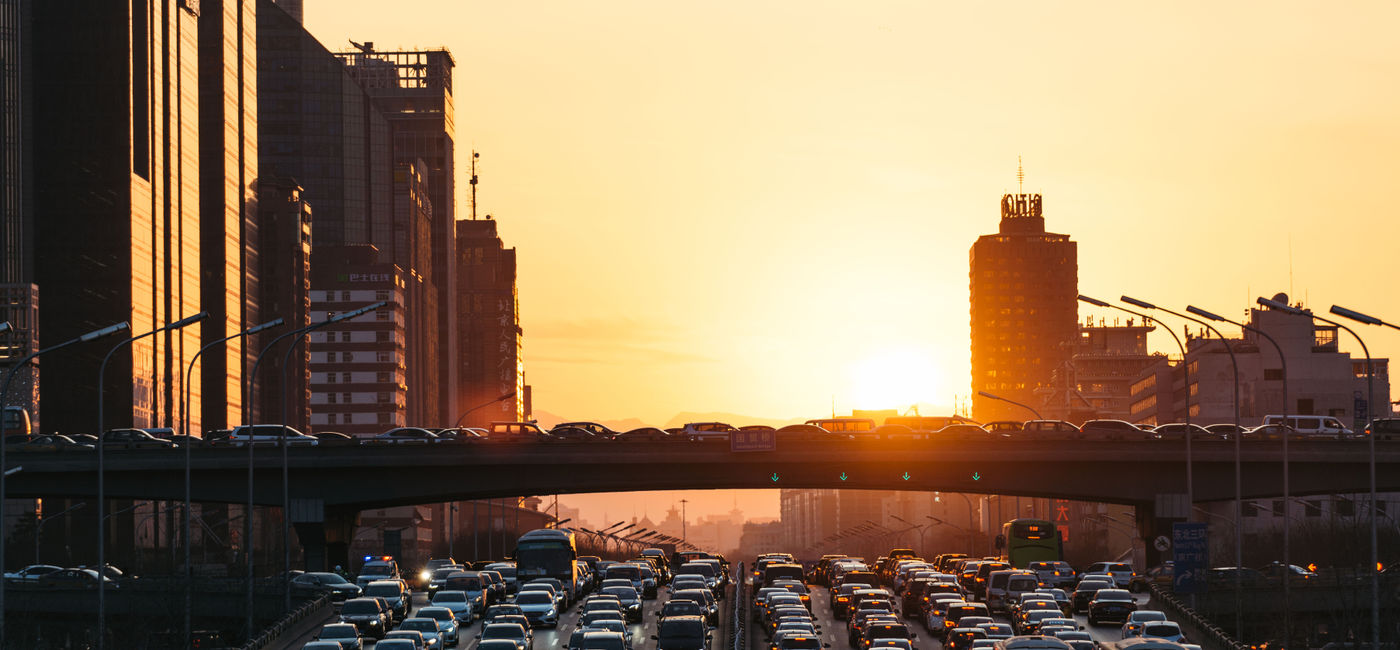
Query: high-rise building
(117, 203)
(19, 296)
(284, 258)
(1024, 285)
(358, 367)
(413, 89)
(488, 327)
(410, 249)
(228, 167)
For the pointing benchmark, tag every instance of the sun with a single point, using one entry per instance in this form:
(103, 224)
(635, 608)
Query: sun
(896, 378)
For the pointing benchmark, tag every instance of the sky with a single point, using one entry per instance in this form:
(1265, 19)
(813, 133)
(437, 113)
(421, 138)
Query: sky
(765, 208)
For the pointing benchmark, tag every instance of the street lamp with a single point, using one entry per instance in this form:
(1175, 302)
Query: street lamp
(987, 395)
(467, 412)
(39, 527)
(1186, 377)
(561, 522)
(921, 528)
(4, 394)
(1370, 404)
(1283, 370)
(188, 390)
(1239, 512)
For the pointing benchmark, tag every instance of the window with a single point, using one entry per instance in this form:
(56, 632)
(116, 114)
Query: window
(382, 377)
(1278, 508)
(383, 398)
(330, 398)
(381, 295)
(1273, 374)
(1344, 507)
(381, 357)
(345, 336)
(345, 378)
(381, 336)
(330, 378)
(383, 418)
(330, 296)
(1312, 508)
(330, 418)
(345, 296)
(345, 397)
(347, 357)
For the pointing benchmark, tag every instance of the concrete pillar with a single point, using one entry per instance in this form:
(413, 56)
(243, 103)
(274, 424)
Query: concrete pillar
(325, 533)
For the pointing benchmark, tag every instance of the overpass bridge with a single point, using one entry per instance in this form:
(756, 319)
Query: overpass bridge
(330, 485)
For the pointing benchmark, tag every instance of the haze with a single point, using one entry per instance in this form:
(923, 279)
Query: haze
(766, 207)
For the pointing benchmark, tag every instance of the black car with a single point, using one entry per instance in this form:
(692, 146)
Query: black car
(368, 614)
(133, 439)
(681, 633)
(315, 584)
(1084, 592)
(1111, 605)
(72, 579)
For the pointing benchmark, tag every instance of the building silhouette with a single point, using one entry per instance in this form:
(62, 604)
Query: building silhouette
(489, 332)
(284, 260)
(1023, 284)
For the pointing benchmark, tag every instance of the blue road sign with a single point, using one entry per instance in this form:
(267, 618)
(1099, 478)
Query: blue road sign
(1190, 553)
(752, 441)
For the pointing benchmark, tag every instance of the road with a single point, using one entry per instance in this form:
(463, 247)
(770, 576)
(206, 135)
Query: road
(545, 638)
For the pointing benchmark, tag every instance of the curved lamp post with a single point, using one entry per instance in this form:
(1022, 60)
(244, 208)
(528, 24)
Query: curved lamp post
(1239, 511)
(467, 412)
(987, 395)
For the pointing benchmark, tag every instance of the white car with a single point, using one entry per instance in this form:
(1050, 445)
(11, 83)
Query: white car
(268, 435)
(448, 627)
(702, 431)
(1165, 630)
(458, 602)
(31, 573)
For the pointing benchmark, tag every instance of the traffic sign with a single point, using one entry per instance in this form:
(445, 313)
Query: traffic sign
(1192, 548)
(760, 440)
(1162, 544)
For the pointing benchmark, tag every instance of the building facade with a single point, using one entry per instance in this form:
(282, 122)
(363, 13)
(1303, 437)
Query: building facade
(358, 367)
(1023, 284)
(19, 296)
(284, 258)
(1322, 380)
(117, 200)
(489, 332)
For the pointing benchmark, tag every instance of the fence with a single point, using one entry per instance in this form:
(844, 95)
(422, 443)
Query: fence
(272, 632)
(739, 612)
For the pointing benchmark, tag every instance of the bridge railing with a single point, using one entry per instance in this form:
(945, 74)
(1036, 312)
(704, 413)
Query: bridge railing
(1179, 611)
(271, 634)
(739, 611)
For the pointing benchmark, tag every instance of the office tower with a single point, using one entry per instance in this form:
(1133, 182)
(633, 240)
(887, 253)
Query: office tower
(489, 332)
(411, 247)
(117, 203)
(19, 296)
(1023, 284)
(228, 167)
(413, 89)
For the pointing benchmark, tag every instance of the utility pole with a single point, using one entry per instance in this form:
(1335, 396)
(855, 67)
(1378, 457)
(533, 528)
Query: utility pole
(683, 502)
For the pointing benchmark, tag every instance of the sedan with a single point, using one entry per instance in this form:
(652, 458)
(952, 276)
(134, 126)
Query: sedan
(405, 436)
(133, 439)
(73, 579)
(345, 634)
(1111, 605)
(52, 442)
(32, 573)
(513, 632)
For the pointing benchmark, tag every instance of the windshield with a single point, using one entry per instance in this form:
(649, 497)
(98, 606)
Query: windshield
(624, 572)
(441, 574)
(501, 632)
(536, 558)
(450, 597)
(623, 594)
(356, 607)
(1162, 629)
(700, 568)
(338, 632)
(436, 613)
(384, 591)
(505, 571)
(534, 598)
(419, 624)
(376, 570)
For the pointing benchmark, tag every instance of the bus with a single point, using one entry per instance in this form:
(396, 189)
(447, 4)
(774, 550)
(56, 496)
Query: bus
(1030, 540)
(548, 553)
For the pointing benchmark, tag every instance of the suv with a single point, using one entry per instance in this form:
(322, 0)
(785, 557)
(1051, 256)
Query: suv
(703, 431)
(516, 432)
(377, 568)
(1121, 572)
(681, 633)
(1008, 584)
(1383, 429)
(1312, 426)
(1050, 429)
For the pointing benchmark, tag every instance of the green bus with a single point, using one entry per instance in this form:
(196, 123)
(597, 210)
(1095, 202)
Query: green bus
(1030, 540)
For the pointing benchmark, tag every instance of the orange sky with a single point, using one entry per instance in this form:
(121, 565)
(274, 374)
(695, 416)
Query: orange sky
(757, 206)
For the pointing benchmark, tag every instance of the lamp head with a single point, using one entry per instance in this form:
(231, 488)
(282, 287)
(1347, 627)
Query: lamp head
(987, 395)
(189, 320)
(1356, 316)
(1137, 303)
(5, 326)
(1283, 307)
(1204, 314)
(265, 326)
(106, 331)
(1093, 301)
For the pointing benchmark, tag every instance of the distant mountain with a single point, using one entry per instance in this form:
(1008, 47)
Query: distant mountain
(548, 421)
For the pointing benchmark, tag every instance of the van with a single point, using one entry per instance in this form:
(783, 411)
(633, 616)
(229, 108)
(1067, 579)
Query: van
(17, 422)
(1312, 426)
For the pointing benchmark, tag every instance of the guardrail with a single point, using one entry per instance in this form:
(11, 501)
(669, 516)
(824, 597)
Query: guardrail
(272, 632)
(1217, 636)
(739, 612)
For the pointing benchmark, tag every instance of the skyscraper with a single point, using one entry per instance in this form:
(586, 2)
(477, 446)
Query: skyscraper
(413, 89)
(19, 296)
(489, 331)
(117, 202)
(1023, 284)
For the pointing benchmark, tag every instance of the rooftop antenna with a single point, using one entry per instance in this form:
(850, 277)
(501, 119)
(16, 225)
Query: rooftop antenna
(475, 156)
(1020, 177)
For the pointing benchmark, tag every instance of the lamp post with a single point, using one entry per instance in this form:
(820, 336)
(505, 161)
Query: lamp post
(1287, 501)
(1239, 513)
(39, 527)
(1370, 402)
(467, 412)
(987, 395)
(921, 528)
(1186, 378)
(4, 394)
(189, 372)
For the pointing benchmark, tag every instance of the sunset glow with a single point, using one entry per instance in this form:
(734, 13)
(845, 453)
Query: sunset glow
(897, 378)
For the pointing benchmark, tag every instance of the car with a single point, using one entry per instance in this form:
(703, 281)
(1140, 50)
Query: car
(997, 630)
(321, 645)
(369, 615)
(1275, 571)
(507, 572)
(966, 431)
(1133, 626)
(516, 432)
(707, 431)
(400, 643)
(437, 579)
(804, 433)
(268, 435)
(1111, 605)
(614, 626)
(346, 635)
(681, 607)
(405, 436)
(317, 583)
(705, 598)
(1165, 630)
(1177, 431)
(603, 640)
(73, 579)
(1049, 430)
(496, 584)
(51, 443)
(335, 439)
(1383, 429)
(961, 638)
(540, 607)
(501, 612)
(419, 641)
(1160, 575)
(394, 593)
(593, 430)
(957, 611)
(1227, 576)
(133, 439)
(1053, 573)
(631, 601)
(32, 573)
(448, 627)
(594, 616)
(1111, 430)
(513, 632)
(458, 603)
(647, 434)
(799, 641)
(428, 627)
(1316, 427)
(1121, 572)
(1084, 592)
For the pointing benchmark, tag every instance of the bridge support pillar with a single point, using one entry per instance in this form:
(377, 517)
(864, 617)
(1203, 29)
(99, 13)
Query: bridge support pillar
(325, 534)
